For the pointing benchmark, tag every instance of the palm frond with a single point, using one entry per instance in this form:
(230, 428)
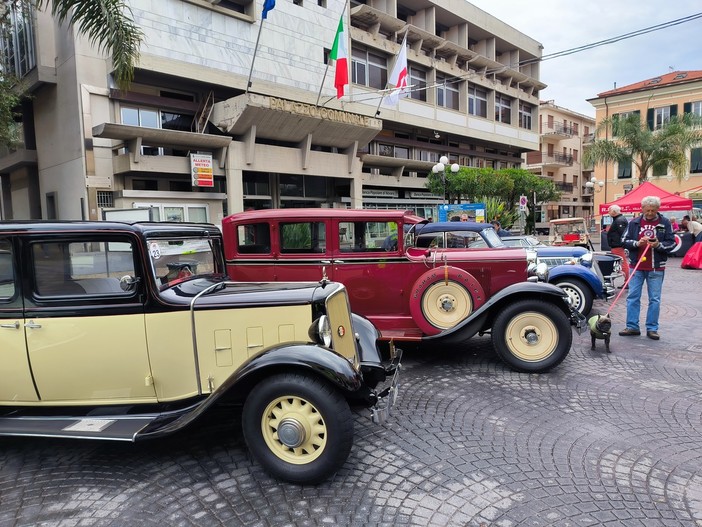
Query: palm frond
(108, 25)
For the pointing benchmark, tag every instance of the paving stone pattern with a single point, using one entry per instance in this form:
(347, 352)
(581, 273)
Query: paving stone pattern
(602, 440)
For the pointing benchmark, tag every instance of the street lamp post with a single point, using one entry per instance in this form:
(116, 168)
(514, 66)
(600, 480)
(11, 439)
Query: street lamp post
(597, 186)
(441, 167)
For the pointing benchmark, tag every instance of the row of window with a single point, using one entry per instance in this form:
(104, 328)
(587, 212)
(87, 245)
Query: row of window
(624, 170)
(658, 117)
(370, 68)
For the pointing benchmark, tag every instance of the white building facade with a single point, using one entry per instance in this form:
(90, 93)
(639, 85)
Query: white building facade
(282, 140)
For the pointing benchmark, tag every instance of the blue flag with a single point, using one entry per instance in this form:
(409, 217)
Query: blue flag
(267, 6)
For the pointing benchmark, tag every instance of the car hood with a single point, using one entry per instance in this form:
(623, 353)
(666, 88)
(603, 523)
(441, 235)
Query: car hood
(242, 294)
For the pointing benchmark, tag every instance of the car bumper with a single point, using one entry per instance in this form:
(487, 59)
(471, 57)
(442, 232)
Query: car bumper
(578, 320)
(387, 397)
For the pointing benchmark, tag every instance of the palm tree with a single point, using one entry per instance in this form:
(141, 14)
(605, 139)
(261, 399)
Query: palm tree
(107, 24)
(633, 141)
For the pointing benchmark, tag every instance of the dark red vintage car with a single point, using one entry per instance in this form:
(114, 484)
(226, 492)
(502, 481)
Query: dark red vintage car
(409, 292)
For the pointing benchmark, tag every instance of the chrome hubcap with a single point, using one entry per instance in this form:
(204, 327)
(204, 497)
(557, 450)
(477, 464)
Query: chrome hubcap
(291, 433)
(447, 303)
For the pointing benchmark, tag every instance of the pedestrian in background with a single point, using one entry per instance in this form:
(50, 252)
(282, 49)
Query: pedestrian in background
(674, 223)
(498, 227)
(693, 227)
(615, 233)
(654, 231)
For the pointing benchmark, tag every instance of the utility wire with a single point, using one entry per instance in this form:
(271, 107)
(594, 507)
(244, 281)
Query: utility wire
(549, 56)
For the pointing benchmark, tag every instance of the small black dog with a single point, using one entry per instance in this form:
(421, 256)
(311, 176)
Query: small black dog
(600, 328)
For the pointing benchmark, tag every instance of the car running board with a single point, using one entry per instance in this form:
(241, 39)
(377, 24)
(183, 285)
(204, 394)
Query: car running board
(114, 428)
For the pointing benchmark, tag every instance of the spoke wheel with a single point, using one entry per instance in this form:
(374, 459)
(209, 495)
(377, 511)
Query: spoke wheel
(298, 426)
(294, 430)
(580, 294)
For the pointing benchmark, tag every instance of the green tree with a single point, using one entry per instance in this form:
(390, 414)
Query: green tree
(469, 184)
(537, 189)
(107, 24)
(633, 141)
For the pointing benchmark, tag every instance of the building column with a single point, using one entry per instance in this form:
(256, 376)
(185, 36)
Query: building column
(235, 184)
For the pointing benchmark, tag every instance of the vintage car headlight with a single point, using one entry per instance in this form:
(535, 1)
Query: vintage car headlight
(538, 272)
(586, 260)
(320, 331)
(532, 257)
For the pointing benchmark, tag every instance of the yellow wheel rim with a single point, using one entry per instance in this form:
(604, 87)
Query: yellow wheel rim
(531, 336)
(294, 430)
(445, 305)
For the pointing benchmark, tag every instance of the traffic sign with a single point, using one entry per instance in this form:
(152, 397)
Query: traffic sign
(522, 203)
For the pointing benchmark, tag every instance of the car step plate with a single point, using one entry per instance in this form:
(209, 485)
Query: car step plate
(115, 428)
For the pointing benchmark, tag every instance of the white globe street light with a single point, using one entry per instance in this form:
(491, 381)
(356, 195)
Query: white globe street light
(440, 167)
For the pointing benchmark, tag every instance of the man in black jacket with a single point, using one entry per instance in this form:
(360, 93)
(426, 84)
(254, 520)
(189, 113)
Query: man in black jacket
(651, 236)
(615, 233)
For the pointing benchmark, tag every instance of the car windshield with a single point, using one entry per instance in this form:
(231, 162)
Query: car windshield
(174, 260)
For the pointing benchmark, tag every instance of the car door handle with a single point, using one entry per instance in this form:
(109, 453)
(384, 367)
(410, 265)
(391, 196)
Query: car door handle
(11, 326)
(32, 325)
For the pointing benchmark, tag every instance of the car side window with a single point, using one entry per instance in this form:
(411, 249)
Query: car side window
(368, 236)
(430, 241)
(254, 238)
(463, 239)
(81, 268)
(7, 271)
(303, 237)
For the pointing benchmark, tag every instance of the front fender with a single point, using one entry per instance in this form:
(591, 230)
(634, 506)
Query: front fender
(318, 361)
(480, 319)
(585, 274)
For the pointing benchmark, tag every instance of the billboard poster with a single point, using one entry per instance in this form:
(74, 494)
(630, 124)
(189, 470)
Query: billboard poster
(462, 211)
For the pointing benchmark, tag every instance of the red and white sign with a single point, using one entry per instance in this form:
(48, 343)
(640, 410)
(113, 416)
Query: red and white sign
(201, 170)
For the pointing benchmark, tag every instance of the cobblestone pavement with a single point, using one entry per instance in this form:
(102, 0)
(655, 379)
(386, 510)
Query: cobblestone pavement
(602, 440)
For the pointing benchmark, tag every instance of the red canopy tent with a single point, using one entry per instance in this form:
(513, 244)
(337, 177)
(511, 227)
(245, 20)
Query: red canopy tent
(631, 202)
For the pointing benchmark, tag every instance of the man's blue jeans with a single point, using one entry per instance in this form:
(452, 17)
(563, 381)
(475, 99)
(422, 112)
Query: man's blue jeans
(654, 286)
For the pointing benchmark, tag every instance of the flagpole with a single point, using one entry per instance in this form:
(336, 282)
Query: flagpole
(248, 82)
(321, 86)
(404, 43)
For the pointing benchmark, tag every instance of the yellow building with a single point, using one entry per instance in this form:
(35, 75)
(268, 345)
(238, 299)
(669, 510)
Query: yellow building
(656, 100)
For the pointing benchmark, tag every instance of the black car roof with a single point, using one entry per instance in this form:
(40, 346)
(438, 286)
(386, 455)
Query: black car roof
(144, 228)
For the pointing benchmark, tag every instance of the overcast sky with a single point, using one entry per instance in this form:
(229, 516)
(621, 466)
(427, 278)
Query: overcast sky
(565, 24)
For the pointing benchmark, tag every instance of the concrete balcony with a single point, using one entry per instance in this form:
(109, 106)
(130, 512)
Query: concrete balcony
(541, 160)
(558, 131)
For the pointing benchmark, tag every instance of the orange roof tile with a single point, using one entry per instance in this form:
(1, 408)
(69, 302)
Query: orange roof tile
(675, 77)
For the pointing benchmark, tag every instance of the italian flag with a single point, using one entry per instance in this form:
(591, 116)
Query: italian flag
(340, 54)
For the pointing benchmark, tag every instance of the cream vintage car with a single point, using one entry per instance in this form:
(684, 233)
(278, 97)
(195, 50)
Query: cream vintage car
(132, 331)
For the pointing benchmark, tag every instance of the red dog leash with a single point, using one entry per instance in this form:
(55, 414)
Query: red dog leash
(631, 274)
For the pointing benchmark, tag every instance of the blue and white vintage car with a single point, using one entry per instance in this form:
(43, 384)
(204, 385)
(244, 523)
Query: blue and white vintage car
(583, 274)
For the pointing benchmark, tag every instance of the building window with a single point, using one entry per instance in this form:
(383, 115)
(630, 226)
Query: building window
(369, 69)
(418, 81)
(575, 155)
(624, 170)
(661, 116)
(17, 42)
(155, 118)
(503, 109)
(447, 93)
(477, 101)
(696, 161)
(660, 169)
(617, 117)
(105, 199)
(696, 108)
(524, 115)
